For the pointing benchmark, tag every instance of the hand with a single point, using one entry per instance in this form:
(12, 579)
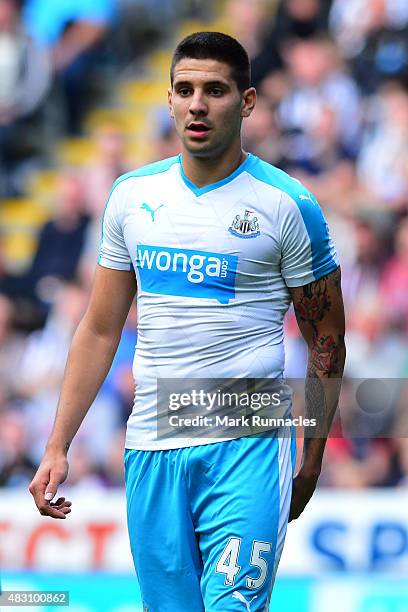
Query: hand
(52, 472)
(304, 485)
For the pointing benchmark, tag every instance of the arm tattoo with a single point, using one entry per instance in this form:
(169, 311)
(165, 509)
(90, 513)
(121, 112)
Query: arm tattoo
(311, 309)
(314, 303)
(318, 308)
(324, 357)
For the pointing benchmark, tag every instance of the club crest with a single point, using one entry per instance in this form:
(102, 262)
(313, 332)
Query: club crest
(246, 226)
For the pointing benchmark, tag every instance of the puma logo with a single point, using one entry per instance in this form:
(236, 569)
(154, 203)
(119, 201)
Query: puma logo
(150, 210)
(240, 597)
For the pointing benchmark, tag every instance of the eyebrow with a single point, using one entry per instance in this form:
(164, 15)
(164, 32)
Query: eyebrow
(214, 83)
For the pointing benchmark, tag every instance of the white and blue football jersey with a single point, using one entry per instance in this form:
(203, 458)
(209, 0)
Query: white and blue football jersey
(213, 266)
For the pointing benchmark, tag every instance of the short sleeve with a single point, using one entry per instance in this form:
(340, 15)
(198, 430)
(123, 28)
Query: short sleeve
(113, 252)
(307, 250)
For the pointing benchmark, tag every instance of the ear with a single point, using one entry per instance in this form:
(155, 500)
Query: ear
(248, 102)
(170, 101)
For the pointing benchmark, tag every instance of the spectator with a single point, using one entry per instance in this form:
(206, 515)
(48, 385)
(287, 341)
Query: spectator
(247, 21)
(374, 346)
(166, 143)
(24, 81)
(367, 237)
(41, 372)
(43, 361)
(299, 19)
(351, 22)
(108, 163)
(318, 81)
(261, 134)
(83, 472)
(11, 348)
(60, 242)
(318, 158)
(344, 468)
(16, 467)
(112, 468)
(394, 280)
(73, 31)
(384, 53)
(383, 160)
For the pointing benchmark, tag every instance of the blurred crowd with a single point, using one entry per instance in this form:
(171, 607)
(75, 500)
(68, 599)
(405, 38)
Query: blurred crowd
(332, 81)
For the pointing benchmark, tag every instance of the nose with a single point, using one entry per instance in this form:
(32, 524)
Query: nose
(198, 104)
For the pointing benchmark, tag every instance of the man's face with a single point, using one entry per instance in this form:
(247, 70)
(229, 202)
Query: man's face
(207, 106)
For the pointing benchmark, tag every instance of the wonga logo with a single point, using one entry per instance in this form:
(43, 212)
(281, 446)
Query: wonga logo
(186, 272)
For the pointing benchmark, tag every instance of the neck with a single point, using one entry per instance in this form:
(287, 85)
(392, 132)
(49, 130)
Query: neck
(204, 171)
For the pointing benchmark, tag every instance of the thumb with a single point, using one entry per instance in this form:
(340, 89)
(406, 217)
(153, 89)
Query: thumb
(49, 494)
(51, 489)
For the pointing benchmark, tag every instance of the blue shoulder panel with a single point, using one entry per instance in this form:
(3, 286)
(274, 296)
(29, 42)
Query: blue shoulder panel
(312, 215)
(154, 168)
(148, 170)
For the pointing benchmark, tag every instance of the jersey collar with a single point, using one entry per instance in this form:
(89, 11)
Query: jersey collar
(198, 191)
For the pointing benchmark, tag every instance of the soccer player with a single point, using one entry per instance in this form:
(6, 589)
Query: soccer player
(217, 243)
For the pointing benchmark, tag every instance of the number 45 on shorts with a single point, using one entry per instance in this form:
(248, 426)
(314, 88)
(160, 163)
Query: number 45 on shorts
(228, 562)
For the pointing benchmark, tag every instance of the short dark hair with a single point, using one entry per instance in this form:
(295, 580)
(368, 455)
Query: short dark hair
(216, 46)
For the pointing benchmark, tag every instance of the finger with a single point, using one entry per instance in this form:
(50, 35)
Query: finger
(61, 501)
(63, 510)
(47, 510)
(55, 511)
(60, 506)
(52, 487)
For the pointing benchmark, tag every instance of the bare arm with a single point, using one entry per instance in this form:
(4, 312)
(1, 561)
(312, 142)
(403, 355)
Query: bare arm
(320, 315)
(81, 36)
(90, 357)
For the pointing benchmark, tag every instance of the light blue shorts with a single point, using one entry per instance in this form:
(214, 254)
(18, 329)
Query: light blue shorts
(207, 523)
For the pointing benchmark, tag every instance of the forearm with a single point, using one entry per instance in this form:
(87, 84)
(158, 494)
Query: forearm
(322, 389)
(80, 37)
(88, 363)
(320, 314)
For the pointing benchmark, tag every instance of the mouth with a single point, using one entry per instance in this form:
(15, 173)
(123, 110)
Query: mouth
(197, 129)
